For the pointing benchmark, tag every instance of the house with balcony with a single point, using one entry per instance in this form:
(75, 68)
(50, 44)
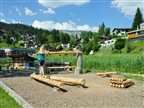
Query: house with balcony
(121, 31)
(137, 35)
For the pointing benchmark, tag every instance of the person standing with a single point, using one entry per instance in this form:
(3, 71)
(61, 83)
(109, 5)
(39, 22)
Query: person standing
(41, 59)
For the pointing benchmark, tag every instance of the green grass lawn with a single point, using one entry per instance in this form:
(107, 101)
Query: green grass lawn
(7, 101)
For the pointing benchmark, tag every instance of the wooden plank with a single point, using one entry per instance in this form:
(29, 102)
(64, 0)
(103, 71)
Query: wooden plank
(78, 81)
(48, 81)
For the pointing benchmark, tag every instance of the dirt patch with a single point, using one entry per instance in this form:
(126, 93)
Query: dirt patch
(96, 93)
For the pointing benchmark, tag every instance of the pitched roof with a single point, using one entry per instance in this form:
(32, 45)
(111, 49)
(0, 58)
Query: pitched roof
(121, 29)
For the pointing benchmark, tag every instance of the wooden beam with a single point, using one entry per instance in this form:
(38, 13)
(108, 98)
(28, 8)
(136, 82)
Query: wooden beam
(48, 81)
(105, 74)
(65, 52)
(69, 80)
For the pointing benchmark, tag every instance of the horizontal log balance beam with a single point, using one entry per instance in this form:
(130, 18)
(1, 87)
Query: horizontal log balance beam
(69, 80)
(48, 81)
(64, 52)
(106, 74)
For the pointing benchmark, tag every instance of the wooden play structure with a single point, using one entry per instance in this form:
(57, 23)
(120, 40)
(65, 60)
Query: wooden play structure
(106, 74)
(121, 82)
(78, 68)
(58, 82)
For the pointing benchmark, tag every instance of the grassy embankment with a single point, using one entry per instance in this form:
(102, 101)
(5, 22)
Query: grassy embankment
(7, 101)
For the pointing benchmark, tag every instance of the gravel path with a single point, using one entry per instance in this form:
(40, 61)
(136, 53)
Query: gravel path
(97, 92)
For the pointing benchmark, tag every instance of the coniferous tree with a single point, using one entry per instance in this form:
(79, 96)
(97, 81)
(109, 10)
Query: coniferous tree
(101, 29)
(137, 19)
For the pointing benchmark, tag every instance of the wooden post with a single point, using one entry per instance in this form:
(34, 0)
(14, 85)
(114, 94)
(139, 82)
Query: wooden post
(78, 70)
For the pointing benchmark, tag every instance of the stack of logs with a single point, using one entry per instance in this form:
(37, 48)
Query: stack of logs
(121, 82)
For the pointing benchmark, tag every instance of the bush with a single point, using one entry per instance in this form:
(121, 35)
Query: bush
(120, 43)
(116, 51)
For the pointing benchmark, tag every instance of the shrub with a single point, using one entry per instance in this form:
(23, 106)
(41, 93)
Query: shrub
(120, 43)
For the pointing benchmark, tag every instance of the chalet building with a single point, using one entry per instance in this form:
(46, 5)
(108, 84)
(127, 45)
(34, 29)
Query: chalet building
(121, 31)
(22, 61)
(137, 35)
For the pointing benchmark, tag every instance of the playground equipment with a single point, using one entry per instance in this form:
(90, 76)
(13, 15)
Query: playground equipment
(58, 82)
(73, 81)
(78, 68)
(48, 81)
(106, 74)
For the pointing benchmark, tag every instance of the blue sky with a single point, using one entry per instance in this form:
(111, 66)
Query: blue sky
(71, 14)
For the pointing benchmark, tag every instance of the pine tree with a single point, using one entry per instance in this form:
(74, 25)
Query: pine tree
(101, 29)
(137, 19)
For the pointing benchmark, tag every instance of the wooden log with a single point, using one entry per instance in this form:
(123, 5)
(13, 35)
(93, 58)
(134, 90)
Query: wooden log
(118, 79)
(111, 84)
(69, 80)
(105, 73)
(66, 52)
(127, 81)
(127, 85)
(119, 86)
(48, 81)
(116, 82)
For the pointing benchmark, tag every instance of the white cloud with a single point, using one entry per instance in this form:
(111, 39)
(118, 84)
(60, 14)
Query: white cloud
(1, 14)
(87, 28)
(29, 12)
(49, 10)
(50, 25)
(17, 10)
(128, 7)
(59, 3)
(3, 20)
(13, 21)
